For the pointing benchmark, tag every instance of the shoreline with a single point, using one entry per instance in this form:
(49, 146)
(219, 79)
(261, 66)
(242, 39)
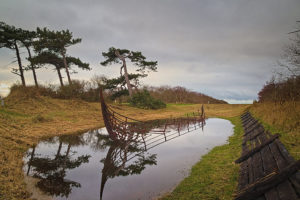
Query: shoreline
(38, 194)
(208, 175)
(25, 122)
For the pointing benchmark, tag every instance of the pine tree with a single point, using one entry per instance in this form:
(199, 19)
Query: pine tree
(10, 38)
(56, 42)
(119, 56)
(47, 57)
(27, 41)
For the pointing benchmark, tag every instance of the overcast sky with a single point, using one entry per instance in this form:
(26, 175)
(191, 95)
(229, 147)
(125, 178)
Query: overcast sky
(224, 48)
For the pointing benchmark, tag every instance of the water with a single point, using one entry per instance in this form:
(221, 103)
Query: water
(89, 165)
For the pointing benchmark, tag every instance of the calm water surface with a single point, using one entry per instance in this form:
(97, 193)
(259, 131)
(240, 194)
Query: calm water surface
(89, 165)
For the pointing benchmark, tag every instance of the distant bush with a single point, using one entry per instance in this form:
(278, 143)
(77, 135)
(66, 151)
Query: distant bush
(181, 95)
(20, 91)
(83, 90)
(144, 100)
(119, 94)
(76, 90)
(281, 91)
(89, 91)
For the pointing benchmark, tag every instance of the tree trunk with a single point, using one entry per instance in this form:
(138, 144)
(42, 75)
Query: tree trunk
(127, 79)
(125, 72)
(68, 150)
(32, 68)
(66, 157)
(66, 67)
(31, 158)
(60, 77)
(20, 65)
(59, 149)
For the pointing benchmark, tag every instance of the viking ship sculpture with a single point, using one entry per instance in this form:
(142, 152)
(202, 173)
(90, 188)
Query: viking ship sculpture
(131, 138)
(120, 126)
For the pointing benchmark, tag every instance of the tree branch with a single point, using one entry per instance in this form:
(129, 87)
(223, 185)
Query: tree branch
(117, 53)
(121, 70)
(15, 71)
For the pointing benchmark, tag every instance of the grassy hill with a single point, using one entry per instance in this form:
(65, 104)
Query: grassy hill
(180, 94)
(28, 117)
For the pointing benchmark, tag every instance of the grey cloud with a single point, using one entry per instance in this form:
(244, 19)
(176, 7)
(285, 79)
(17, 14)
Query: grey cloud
(226, 49)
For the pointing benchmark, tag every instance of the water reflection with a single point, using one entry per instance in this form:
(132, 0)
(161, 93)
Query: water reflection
(135, 139)
(51, 171)
(118, 155)
(127, 154)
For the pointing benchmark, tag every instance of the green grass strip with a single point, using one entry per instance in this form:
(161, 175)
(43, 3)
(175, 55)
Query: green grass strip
(215, 176)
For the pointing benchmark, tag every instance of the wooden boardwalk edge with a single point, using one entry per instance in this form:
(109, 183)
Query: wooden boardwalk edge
(267, 170)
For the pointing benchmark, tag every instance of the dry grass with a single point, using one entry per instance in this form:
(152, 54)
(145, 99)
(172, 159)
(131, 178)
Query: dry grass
(283, 119)
(24, 121)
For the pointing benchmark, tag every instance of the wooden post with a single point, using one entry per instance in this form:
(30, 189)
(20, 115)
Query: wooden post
(144, 142)
(165, 131)
(178, 129)
(194, 121)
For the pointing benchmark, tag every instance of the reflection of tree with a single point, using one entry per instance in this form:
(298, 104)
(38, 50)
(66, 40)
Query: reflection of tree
(126, 153)
(52, 171)
(119, 154)
(52, 174)
(95, 140)
(31, 158)
(128, 143)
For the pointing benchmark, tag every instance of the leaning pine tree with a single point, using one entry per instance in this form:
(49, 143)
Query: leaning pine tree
(48, 58)
(56, 42)
(119, 56)
(10, 38)
(27, 41)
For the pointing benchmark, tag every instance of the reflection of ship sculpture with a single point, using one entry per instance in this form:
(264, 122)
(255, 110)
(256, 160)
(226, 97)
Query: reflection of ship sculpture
(120, 126)
(116, 161)
(130, 139)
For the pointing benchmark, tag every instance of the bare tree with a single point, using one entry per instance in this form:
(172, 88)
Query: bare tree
(291, 56)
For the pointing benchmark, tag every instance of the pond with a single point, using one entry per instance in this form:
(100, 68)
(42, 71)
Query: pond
(93, 166)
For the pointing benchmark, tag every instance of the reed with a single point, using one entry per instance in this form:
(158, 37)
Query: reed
(283, 119)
